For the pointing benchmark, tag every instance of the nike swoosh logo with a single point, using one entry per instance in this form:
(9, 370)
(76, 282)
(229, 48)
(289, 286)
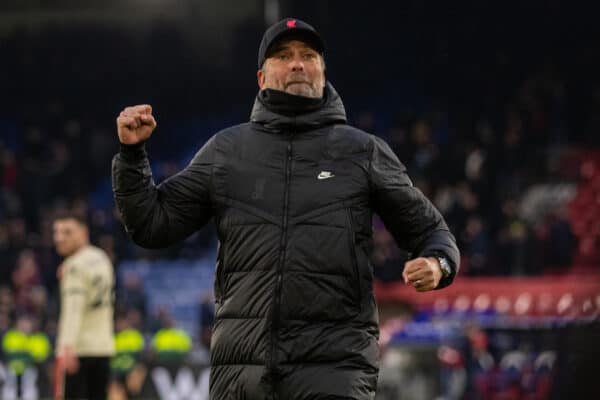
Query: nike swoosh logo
(325, 175)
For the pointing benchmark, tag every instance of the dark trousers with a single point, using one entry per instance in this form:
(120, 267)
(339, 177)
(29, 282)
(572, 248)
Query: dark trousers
(90, 382)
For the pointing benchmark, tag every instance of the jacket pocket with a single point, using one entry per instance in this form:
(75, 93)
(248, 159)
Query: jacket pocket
(353, 255)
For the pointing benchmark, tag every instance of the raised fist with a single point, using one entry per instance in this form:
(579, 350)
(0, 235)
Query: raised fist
(135, 124)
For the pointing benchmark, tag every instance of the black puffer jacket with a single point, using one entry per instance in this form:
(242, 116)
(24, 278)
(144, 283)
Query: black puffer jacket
(292, 194)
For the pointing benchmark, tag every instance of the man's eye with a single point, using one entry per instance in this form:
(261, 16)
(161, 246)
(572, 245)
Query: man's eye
(309, 56)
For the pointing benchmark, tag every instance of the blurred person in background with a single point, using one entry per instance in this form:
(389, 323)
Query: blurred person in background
(475, 242)
(514, 242)
(15, 345)
(206, 317)
(85, 340)
(26, 350)
(25, 276)
(127, 369)
(292, 193)
(557, 241)
(170, 345)
(158, 318)
(7, 303)
(131, 296)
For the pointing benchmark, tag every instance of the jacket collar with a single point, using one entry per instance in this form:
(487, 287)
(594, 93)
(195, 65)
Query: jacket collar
(277, 111)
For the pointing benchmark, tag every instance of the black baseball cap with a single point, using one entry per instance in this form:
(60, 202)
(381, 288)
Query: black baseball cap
(291, 27)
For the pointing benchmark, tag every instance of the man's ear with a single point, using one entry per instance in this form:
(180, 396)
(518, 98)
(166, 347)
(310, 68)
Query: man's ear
(260, 77)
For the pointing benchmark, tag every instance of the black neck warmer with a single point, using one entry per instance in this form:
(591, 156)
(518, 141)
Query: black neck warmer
(288, 104)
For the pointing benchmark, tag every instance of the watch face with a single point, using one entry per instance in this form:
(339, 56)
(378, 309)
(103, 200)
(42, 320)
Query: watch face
(445, 267)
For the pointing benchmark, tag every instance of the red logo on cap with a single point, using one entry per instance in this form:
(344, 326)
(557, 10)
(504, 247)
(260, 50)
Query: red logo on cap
(291, 23)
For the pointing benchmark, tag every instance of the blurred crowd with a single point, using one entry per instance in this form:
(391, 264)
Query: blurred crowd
(479, 177)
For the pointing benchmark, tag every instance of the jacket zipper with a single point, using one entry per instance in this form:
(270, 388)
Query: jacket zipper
(352, 243)
(279, 272)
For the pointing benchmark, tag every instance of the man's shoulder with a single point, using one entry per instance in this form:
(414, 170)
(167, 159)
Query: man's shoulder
(219, 143)
(233, 131)
(349, 135)
(354, 132)
(89, 255)
(229, 135)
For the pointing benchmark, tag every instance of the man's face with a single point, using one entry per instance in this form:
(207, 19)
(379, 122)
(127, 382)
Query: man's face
(69, 235)
(295, 68)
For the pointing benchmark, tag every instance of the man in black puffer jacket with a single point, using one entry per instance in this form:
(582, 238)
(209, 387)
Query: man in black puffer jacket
(292, 193)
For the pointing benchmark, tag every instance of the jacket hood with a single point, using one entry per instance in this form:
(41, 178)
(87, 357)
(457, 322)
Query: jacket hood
(277, 110)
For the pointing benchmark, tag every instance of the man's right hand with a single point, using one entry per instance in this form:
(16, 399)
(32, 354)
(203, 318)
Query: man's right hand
(135, 124)
(68, 360)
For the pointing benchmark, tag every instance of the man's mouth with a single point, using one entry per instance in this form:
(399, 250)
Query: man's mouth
(297, 83)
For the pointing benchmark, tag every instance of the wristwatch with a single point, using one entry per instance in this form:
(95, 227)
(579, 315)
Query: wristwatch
(444, 266)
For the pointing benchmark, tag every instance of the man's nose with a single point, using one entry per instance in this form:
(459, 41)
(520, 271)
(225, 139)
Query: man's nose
(297, 64)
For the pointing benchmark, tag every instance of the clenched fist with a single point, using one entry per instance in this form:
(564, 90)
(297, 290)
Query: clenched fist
(423, 273)
(135, 124)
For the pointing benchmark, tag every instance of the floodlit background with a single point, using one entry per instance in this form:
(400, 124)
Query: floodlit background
(494, 109)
